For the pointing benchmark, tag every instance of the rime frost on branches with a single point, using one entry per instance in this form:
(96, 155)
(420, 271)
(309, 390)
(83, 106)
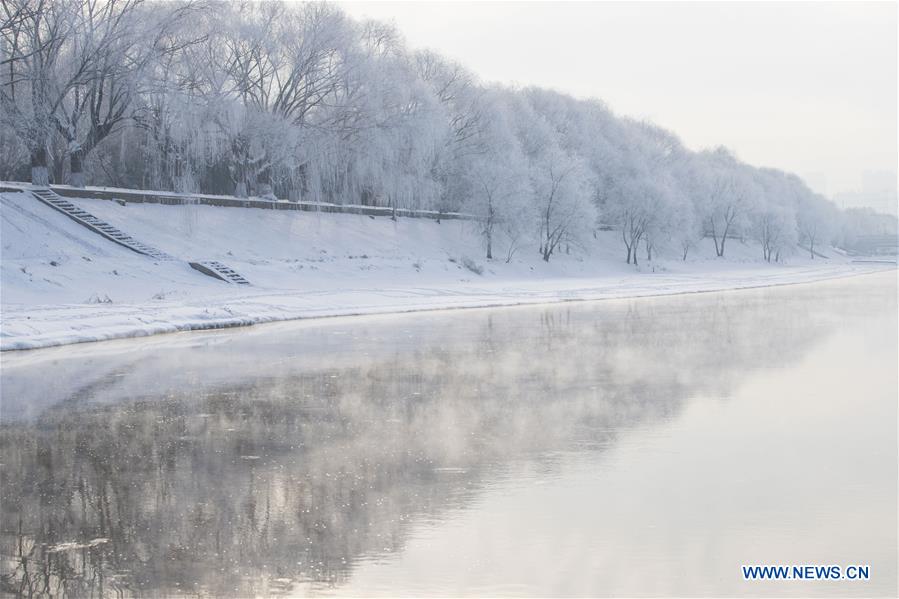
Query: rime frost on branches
(298, 102)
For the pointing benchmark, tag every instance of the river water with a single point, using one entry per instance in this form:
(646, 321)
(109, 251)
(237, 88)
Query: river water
(630, 447)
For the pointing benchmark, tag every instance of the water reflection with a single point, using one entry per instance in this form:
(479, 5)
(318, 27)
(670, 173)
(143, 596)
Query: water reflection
(245, 463)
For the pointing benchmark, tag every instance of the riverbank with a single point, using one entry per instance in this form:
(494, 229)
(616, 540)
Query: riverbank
(63, 284)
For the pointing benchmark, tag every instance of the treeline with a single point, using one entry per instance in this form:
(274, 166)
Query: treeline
(297, 101)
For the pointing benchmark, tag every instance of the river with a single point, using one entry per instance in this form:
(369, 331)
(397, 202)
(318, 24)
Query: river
(622, 447)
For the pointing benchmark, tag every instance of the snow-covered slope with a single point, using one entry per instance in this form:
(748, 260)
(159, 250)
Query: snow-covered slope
(63, 284)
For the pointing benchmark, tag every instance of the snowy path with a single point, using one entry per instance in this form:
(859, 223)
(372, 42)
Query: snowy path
(30, 326)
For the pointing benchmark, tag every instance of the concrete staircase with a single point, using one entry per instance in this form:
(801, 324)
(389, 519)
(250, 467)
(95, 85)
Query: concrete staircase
(219, 271)
(82, 217)
(86, 219)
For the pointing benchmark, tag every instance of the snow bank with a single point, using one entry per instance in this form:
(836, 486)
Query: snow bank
(64, 284)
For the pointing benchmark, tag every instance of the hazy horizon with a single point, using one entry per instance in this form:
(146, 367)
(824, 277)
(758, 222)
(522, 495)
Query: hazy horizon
(816, 97)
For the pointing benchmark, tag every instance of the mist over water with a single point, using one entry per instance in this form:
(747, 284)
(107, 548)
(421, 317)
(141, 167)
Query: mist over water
(633, 447)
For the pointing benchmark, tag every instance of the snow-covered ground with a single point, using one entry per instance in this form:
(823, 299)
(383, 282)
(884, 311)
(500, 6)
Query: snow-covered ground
(61, 283)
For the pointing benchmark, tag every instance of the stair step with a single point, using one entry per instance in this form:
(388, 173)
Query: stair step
(50, 197)
(224, 272)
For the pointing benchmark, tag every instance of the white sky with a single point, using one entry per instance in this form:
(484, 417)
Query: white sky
(805, 87)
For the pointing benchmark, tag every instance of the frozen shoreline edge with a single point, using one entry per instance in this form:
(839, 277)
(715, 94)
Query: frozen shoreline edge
(134, 329)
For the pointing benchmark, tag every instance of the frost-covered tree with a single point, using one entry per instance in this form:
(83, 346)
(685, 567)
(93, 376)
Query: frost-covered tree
(70, 69)
(461, 108)
(641, 208)
(816, 219)
(494, 178)
(37, 36)
(686, 228)
(561, 181)
(561, 188)
(638, 192)
(295, 100)
(727, 196)
(284, 62)
(774, 227)
(132, 35)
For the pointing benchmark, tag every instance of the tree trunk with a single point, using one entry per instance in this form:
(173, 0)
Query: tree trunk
(714, 236)
(39, 173)
(723, 240)
(264, 184)
(57, 168)
(491, 219)
(241, 166)
(76, 168)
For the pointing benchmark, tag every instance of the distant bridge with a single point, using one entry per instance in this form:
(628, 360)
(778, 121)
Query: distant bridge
(875, 245)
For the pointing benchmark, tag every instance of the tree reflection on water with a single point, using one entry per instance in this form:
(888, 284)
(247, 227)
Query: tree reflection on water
(255, 461)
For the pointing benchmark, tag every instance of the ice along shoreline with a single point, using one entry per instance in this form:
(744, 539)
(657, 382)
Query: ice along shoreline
(31, 328)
